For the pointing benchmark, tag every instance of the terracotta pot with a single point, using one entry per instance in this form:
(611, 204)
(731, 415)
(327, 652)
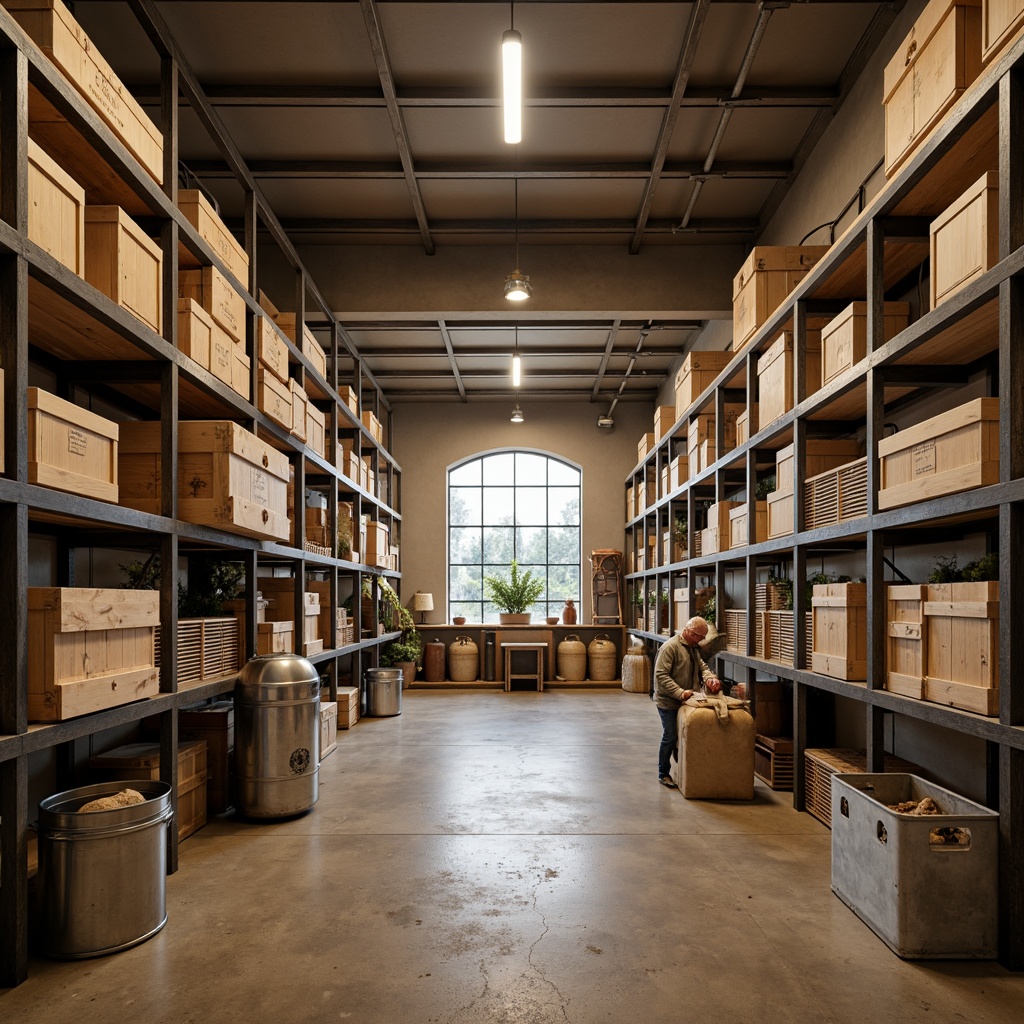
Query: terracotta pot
(514, 618)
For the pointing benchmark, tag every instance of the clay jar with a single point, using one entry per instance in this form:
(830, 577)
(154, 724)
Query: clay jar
(569, 613)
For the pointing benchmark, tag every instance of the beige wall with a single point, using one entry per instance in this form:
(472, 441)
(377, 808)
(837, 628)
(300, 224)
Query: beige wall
(429, 437)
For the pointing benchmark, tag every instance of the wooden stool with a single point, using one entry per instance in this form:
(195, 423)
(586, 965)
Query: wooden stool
(531, 656)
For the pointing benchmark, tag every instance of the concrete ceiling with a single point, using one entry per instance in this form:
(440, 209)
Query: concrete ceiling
(658, 138)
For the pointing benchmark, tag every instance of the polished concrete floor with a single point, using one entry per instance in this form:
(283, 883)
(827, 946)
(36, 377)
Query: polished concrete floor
(511, 858)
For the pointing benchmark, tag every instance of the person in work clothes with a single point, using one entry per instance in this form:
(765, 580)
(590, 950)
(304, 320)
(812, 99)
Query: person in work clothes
(679, 672)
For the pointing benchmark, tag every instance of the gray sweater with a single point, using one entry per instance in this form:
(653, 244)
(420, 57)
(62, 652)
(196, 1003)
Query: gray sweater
(677, 668)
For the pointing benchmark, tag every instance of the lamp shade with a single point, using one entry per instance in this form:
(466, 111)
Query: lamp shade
(422, 602)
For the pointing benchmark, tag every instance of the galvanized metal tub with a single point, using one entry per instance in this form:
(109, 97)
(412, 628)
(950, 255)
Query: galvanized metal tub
(383, 692)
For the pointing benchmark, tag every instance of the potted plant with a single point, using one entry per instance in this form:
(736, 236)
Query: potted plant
(514, 594)
(405, 651)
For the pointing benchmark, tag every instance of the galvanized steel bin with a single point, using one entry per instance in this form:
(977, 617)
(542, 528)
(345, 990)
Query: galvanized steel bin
(925, 884)
(383, 692)
(277, 736)
(102, 883)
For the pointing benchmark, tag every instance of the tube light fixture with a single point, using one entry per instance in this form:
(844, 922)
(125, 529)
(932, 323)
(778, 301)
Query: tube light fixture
(517, 371)
(512, 85)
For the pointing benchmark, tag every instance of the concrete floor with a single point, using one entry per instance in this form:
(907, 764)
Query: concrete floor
(511, 858)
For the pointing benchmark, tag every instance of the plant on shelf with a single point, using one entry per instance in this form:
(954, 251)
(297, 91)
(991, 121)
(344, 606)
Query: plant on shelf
(764, 487)
(981, 570)
(142, 575)
(210, 584)
(515, 593)
(405, 651)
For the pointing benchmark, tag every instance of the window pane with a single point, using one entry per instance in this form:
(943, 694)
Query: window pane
(531, 505)
(464, 506)
(498, 468)
(465, 546)
(498, 548)
(563, 582)
(531, 469)
(531, 545)
(498, 505)
(560, 473)
(467, 473)
(465, 583)
(564, 505)
(564, 546)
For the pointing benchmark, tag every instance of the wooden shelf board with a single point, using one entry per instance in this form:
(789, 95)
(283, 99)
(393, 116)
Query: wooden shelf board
(964, 341)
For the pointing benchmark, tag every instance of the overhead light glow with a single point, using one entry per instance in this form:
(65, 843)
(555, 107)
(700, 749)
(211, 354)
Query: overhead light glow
(512, 85)
(517, 286)
(517, 370)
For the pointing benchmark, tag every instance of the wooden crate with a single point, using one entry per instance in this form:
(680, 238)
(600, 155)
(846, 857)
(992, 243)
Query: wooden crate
(819, 767)
(274, 398)
(275, 637)
(735, 620)
(300, 403)
(769, 597)
(836, 495)
(214, 723)
(142, 761)
(820, 455)
(840, 647)
(89, 650)
(328, 727)
(56, 210)
(775, 375)
(377, 547)
(124, 264)
(678, 472)
(962, 646)
(50, 24)
(739, 520)
(349, 397)
(207, 648)
(746, 424)
(775, 637)
(312, 643)
(844, 340)
(70, 448)
(695, 376)
(955, 451)
(227, 477)
(308, 346)
(222, 354)
(1001, 23)
(905, 639)
(195, 332)
(964, 239)
(644, 445)
(773, 761)
(241, 375)
(271, 348)
(716, 537)
(763, 283)
(348, 706)
(316, 430)
(216, 293)
(212, 230)
(780, 514)
(928, 73)
(664, 420)
(376, 428)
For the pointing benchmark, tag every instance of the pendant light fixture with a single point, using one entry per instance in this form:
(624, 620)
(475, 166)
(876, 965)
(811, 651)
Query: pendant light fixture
(517, 413)
(517, 364)
(512, 81)
(517, 284)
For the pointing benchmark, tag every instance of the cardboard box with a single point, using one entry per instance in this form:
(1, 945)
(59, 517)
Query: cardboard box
(965, 239)
(664, 420)
(218, 296)
(89, 649)
(645, 445)
(349, 397)
(212, 230)
(124, 263)
(377, 546)
(70, 448)
(56, 210)
(374, 426)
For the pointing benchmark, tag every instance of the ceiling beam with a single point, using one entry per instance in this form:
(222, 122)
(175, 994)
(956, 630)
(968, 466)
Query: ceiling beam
(590, 352)
(453, 364)
(371, 17)
(698, 13)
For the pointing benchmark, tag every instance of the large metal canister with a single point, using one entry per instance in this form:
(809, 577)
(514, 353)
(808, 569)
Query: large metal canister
(602, 658)
(463, 660)
(102, 883)
(433, 662)
(572, 659)
(383, 692)
(277, 736)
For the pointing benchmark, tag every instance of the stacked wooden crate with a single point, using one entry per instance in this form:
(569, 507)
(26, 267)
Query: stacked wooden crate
(840, 630)
(739, 524)
(207, 648)
(215, 724)
(836, 494)
(964, 239)
(280, 592)
(775, 375)
(273, 391)
(844, 340)
(716, 536)
(696, 375)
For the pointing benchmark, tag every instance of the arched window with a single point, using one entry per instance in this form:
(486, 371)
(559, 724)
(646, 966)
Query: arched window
(513, 504)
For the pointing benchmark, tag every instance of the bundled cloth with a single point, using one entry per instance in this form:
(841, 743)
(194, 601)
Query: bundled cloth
(718, 702)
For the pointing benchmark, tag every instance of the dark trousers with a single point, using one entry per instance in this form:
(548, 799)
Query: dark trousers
(668, 739)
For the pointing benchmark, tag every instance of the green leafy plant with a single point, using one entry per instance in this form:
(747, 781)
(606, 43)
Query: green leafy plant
(981, 570)
(407, 647)
(210, 584)
(679, 529)
(785, 588)
(516, 592)
(764, 487)
(142, 575)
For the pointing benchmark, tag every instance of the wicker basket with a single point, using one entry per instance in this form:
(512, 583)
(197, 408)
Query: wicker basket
(463, 660)
(601, 655)
(572, 659)
(636, 669)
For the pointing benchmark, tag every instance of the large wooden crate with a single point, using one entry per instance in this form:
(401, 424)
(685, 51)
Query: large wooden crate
(775, 375)
(964, 239)
(142, 761)
(214, 723)
(763, 283)
(844, 340)
(50, 24)
(819, 767)
(773, 761)
(70, 448)
(836, 495)
(928, 73)
(328, 727)
(955, 451)
(348, 706)
(89, 650)
(307, 345)
(697, 373)
(271, 348)
(207, 648)
(905, 639)
(195, 332)
(124, 263)
(780, 514)
(203, 217)
(1001, 23)
(840, 630)
(227, 477)
(56, 210)
(275, 637)
(216, 293)
(274, 398)
(739, 522)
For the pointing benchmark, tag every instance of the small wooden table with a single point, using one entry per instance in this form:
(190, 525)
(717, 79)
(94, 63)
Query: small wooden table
(523, 656)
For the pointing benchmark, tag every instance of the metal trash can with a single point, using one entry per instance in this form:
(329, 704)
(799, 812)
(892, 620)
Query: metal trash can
(277, 736)
(383, 692)
(102, 882)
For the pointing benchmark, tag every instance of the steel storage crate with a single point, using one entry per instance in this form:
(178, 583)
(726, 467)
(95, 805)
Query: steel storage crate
(925, 884)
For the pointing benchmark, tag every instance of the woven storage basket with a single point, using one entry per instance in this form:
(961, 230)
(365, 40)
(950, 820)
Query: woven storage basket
(601, 655)
(463, 660)
(572, 659)
(636, 669)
